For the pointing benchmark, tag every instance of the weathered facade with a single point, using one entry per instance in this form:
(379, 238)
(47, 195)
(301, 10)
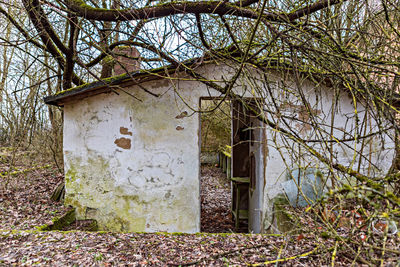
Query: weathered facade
(132, 158)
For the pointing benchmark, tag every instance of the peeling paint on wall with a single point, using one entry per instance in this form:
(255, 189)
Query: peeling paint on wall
(147, 183)
(125, 131)
(182, 115)
(150, 181)
(284, 158)
(123, 142)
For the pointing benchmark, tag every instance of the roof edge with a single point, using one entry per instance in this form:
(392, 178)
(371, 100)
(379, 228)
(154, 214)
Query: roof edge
(140, 75)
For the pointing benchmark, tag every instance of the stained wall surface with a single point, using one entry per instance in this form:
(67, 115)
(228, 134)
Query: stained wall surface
(347, 132)
(132, 161)
(133, 165)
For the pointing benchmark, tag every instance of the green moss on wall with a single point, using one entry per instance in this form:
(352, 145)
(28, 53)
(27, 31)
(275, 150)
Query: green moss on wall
(285, 222)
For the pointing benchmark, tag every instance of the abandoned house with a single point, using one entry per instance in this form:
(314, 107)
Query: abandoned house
(132, 158)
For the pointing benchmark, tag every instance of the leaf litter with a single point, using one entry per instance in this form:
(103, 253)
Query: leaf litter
(25, 203)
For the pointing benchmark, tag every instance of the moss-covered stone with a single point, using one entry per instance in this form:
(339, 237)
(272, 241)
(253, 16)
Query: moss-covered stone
(284, 221)
(59, 223)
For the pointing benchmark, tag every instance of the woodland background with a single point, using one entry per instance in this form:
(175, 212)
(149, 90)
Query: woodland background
(50, 46)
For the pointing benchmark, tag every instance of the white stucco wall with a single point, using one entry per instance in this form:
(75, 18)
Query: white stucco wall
(133, 165)
(371, 156)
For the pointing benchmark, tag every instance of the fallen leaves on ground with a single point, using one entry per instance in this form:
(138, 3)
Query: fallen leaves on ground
(25, 203)
(106, 249)
(216, 200)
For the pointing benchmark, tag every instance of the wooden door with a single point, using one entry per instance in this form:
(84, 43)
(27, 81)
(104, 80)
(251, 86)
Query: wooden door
(246, 155)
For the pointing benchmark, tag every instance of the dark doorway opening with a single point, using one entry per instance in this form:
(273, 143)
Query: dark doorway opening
(231, 157)
(215, 185)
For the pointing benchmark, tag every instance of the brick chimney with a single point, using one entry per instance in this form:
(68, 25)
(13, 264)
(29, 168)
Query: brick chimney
(127, 59)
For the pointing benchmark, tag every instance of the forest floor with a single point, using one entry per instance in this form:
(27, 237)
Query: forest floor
(25, 204)
(216, 200)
